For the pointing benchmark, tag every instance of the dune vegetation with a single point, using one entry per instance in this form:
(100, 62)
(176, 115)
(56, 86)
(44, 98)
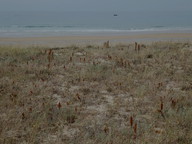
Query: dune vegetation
(111, 94)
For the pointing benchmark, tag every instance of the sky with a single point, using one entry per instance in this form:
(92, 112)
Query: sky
(95, 5)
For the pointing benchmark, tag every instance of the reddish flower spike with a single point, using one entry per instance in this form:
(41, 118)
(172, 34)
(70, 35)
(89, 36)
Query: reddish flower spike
(59, 105)
(131, 121)
(161, 106)
(135, 128)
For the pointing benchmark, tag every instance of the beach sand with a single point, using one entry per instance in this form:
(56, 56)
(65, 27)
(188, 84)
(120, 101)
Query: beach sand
(93, 40)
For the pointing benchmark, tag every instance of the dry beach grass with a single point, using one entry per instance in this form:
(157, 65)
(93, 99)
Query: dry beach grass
(97, 95)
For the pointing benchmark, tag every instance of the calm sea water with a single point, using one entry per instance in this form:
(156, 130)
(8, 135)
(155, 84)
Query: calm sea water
(26, 24)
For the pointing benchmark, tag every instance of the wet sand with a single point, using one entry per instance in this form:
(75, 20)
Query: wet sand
(92, 40)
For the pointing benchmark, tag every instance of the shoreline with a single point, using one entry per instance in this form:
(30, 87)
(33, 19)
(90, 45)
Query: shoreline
(90, 40)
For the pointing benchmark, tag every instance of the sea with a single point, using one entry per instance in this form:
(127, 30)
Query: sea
(42, 24)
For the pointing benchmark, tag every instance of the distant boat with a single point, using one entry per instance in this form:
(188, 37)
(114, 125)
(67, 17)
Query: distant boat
(115, 15)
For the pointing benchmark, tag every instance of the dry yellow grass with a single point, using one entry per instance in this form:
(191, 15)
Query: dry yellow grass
(97, 95)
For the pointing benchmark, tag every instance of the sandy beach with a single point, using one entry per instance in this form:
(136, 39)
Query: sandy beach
(95, 72)
(93, 40)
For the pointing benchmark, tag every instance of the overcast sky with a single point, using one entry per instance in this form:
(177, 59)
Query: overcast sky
(95, 5)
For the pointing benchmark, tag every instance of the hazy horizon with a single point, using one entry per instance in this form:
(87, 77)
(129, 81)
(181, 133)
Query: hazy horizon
(99, 5)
